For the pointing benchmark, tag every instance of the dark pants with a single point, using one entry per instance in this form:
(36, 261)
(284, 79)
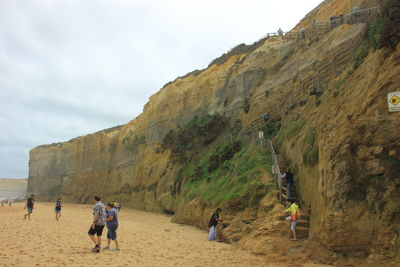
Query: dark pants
(289, 188)
(112, 232)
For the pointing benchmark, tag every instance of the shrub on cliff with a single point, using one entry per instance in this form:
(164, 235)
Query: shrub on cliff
(200, 131)
(390, 34)
(270, 128)
(132, 143)
(221, 154)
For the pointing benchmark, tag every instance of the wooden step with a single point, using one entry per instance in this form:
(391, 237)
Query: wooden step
(304, 217)
(301, 231)
(303, 223)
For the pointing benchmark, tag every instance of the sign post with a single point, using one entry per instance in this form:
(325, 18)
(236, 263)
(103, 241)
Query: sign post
(393, 101)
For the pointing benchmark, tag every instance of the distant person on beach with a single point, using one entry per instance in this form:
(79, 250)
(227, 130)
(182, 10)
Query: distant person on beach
(112, 226)
(29, 206)
(10, 202)
(57, 209)
(293, 210)
(99, 220)
(212, 235)
(288, 175)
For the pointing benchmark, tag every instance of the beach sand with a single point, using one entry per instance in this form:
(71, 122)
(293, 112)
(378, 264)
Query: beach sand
(146, 239)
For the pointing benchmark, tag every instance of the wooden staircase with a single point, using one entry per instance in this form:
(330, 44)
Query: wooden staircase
(303, 224)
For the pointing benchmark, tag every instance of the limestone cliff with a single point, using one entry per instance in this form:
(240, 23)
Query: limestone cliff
(340, 139)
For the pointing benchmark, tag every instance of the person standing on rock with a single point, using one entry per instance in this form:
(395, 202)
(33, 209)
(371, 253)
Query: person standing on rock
(293, 210)
(99, 220)
(288, 175)
(212, 235)
(280, 32)
(57, 209)
(29, 206)
(112, 226)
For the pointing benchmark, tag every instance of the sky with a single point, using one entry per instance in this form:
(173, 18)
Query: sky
(74, 67)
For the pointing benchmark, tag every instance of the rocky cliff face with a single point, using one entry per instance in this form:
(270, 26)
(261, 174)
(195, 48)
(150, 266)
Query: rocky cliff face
(340, 140)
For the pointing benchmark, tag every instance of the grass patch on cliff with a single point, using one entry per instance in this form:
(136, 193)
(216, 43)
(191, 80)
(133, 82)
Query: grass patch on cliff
(236, 176)
(311, 156)
(289, 131)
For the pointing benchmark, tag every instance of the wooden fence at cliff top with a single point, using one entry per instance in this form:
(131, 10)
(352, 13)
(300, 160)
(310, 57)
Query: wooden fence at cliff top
(333, 67)
(327, 69)
(339, 61)
(324, 26)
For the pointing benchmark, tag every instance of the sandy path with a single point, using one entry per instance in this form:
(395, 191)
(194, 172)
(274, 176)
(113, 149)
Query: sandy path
(147, 239)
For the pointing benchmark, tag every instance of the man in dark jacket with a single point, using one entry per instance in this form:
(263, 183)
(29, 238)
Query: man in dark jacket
(288, 175)
(212, 235)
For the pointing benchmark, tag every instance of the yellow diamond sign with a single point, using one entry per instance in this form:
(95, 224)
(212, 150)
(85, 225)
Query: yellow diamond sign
(393, 101)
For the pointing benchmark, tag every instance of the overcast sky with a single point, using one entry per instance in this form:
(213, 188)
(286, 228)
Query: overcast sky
(73, 67)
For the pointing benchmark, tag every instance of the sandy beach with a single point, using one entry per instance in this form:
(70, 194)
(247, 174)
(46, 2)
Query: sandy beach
(146, 239)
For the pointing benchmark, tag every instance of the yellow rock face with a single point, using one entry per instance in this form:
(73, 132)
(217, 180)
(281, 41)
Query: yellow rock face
(352, 190)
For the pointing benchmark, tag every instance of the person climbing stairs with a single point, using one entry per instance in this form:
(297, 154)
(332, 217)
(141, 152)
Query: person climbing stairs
(303, 224)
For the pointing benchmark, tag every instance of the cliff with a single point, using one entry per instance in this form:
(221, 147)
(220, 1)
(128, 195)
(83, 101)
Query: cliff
(337, 136)
(13, 188)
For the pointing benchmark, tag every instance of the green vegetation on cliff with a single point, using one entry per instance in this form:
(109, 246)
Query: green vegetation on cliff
(390, 34)
(289, 131)
(200, 131)
(311, 156)
(231, 174)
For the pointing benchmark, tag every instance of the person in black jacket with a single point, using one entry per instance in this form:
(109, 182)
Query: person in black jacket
(288, 175)
(212, 235)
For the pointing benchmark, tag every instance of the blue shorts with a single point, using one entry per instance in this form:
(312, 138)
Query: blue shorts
(30, 210)
(112, 232)
(57, 211)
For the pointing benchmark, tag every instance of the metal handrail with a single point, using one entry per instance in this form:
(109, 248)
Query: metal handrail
(276, 168)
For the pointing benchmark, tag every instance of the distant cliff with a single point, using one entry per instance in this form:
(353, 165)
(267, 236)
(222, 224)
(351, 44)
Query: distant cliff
(13, 188)
(334, 130)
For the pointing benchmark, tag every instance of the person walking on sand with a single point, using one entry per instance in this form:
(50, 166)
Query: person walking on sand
(99, 220)
(212, 234)
(293, 210)
(29, 206)
(57, 209)
(112, 226)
